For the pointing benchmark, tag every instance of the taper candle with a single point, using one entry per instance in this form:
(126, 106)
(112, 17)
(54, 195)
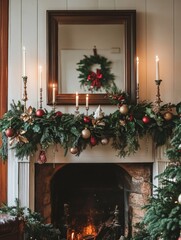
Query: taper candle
(24, 62)
(157, 69)
(77, 100)
(87, 101)
(53, 94)
(137, 70)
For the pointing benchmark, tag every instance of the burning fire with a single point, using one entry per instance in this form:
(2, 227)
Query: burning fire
(89, 230)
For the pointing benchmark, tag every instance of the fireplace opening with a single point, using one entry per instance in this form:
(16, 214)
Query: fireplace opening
(87, 197)
(99, 201)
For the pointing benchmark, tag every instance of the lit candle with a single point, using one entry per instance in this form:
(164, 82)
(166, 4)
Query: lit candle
(53, 95)
(137, 70)
(24, 62)
(72, 236)
(87, 100)
(40, 76)
(77, 100)
(157, 68)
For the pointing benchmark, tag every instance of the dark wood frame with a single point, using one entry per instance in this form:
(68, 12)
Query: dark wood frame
(54, 17)
(4, 9)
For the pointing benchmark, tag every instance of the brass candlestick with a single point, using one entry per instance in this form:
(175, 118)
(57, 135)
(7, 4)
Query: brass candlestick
(77, 110)
(158, 99)
(41, 99)
(25, 95)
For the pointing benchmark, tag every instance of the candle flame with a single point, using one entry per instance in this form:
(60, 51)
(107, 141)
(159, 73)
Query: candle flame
(157, 58)
(137, 59)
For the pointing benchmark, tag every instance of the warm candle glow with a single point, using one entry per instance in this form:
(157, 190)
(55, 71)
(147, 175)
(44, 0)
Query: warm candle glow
(40, 70)
(53, 94)
(137, 70)
(77, 100)
(72, 235)
(157, 69)
(24, 62)
(87, 100)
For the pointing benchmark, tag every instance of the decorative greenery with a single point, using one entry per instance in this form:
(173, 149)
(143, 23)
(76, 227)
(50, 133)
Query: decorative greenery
(95, 81)
(34, 224)
(28, 130)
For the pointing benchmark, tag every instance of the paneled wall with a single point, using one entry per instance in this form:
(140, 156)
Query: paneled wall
(158, 33)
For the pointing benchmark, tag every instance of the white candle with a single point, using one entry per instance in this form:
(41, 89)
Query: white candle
(40, 76)
(87, 101)
(77, 100)
(157, 69)
(24, 62)
(53, 94)
(137, 71)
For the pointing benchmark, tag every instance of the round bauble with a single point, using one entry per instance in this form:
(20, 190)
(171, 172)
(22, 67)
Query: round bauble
(104, 141)
(40, 112)
(146, 119)
(87, 119)
(168, 116)
(9, 132)
(74, 150)
(179, 198)
(86, 133)
(124, 109)
(93, 141)
(58, 114)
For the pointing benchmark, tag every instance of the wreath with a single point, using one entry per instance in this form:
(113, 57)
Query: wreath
(97, 80)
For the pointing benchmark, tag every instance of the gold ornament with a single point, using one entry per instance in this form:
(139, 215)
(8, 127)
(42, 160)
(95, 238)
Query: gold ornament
(124, 109)
(86, 133)
(74, 150)
(168, 116)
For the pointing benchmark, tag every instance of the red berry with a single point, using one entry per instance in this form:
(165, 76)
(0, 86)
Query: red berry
(40, 112)
(9, 132)
(146, 119)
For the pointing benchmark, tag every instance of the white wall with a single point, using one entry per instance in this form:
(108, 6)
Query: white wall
(158, 33)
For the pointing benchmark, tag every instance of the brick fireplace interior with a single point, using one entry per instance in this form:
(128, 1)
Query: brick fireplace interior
(85, 200)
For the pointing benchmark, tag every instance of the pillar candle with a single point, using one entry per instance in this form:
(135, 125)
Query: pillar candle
(157, 68)
(24, 62)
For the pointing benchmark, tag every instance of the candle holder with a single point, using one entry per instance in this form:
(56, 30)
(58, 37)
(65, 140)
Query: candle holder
(41, 99)
(137, 93)
(25, 95)
(158, 99)
(77, 110)
(53, 106)
(87, 109)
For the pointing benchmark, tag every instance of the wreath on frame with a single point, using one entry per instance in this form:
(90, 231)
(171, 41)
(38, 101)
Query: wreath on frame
(97, 80)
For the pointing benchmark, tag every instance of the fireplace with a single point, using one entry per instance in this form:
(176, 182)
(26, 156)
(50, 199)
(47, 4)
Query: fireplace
(92, 200)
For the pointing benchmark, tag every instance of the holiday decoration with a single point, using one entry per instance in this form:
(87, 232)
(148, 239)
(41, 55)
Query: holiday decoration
(86, 133)
(87, 119)
(104, 141)
(179, 199)
(124, 109)
(98, 113)
(9, 132)
(146, 119)
(93, 141)
(42, 157)
(168, 116)
(40, 112)
(74, 150)
(95, 80)
(58, 114)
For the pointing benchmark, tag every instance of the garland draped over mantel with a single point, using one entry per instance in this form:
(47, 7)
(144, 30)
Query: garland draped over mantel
(27, 130)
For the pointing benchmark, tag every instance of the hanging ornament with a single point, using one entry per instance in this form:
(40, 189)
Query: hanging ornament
(74, 150)
(146, 119)
(104, 141)
(179, 198)
(168, 116)
(124, 109)
(87, 119)
(9, 132)
(58, 114)
(42, 157)
(86, 133)
(40, 112)
(93, 141)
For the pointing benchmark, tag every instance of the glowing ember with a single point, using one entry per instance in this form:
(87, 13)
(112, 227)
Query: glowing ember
(89, 230)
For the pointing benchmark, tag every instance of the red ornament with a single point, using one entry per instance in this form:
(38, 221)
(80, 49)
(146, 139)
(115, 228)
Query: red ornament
(87, 119)
(58, 114)
(146, 119)
(9, 132)
(93, 141)
(40, 112)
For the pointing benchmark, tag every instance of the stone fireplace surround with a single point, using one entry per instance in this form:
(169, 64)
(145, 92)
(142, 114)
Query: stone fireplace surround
(140, 168)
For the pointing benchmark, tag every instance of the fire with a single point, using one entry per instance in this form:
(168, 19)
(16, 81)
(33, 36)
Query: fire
(89, 230)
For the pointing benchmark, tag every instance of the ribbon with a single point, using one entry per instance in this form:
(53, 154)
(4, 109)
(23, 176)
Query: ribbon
(95, 79)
